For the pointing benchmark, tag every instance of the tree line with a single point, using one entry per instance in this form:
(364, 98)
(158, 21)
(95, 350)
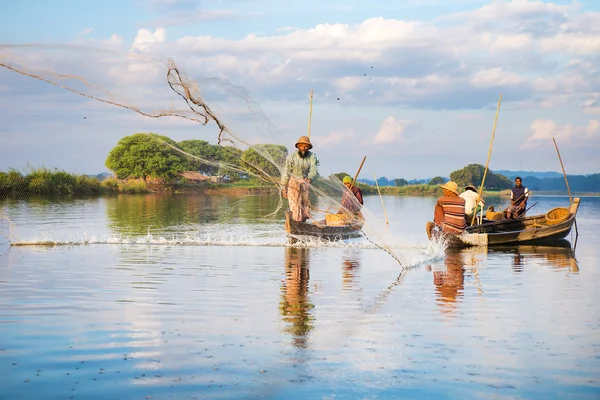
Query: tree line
(148, 155)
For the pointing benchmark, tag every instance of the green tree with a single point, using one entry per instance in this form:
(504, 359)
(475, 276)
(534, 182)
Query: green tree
(400, 182)
(209, 154)
(268, 158)
(230, 162)
(438, 180)
(472, 174)
(144, 155)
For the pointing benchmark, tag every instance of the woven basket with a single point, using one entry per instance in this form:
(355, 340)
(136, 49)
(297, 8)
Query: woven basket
(557, 215)
(338, 219)
(494, 216)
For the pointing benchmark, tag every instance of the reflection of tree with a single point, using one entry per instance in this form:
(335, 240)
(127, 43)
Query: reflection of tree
(135, 214)
(295, 305)
(449, 283)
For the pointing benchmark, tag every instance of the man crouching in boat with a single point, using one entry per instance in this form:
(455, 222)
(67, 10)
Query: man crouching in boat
(300, 168)
(449, 212)
(352, 199)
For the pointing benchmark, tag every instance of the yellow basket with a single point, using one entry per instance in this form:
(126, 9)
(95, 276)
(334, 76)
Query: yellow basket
(338, 219)
(557, 215)
(494, 216)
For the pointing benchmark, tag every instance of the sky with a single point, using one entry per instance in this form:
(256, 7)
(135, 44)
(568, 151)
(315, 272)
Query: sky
(412, 85)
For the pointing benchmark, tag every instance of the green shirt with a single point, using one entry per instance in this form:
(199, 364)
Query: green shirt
(300, 167)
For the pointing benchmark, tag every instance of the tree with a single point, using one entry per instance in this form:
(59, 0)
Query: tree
(209, 155)
(438, 180)
(230, 162)
(144, 155)
(265, 159)
(400, 182)
(472, 174)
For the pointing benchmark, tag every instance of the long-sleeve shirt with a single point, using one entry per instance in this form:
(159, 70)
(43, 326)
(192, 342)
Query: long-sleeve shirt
(470, 199)
(349, 202)
(304, 168)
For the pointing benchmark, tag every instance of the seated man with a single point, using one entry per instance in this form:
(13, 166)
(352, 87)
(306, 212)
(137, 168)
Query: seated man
(449, 212)
(470, 195)
(352, 199)
(518, 200)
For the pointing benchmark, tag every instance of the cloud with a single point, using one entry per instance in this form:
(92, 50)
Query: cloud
(86, 31)
(144, 39)
(543, 130)
(335, 138)
(190, 17)
(391, 131)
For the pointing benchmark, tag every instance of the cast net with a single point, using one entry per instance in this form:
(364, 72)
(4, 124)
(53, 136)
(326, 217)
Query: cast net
(235, 140)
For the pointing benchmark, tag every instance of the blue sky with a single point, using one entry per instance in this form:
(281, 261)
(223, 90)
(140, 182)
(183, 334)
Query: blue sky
(417, 81)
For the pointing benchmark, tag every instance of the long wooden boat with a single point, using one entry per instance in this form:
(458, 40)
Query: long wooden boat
(321, 230)
(535, 229)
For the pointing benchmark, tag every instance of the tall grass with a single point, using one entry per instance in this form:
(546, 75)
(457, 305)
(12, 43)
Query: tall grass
(46, 182)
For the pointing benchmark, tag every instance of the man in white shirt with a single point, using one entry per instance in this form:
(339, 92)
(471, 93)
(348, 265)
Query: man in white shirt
(470, 195)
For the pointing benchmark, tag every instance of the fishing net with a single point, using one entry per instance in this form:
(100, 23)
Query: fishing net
(159, 89)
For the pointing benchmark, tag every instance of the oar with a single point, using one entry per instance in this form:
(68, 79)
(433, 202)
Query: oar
(488, 159)
(564, 173)
(358, 172)
(310, 112)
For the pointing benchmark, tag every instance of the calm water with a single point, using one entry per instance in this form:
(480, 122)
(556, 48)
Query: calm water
(199, 297)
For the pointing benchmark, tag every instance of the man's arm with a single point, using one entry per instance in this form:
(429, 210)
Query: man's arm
(312, 171)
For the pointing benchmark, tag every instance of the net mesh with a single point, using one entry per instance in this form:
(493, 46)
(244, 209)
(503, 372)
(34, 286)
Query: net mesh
(158, 88)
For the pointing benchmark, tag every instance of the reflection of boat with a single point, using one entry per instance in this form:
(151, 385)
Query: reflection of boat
(321, 229)
(537, 229)
(559, 255)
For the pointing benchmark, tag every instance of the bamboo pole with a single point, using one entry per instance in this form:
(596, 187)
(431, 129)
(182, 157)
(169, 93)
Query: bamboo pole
(310, 112)
(488, 159)
(382, 205)
(564, 173)
(358, 172)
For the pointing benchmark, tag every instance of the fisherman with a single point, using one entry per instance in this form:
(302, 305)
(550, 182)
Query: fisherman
(449, 212)
(518, 200)
(300, 169)
(470, 195)
(352, 199)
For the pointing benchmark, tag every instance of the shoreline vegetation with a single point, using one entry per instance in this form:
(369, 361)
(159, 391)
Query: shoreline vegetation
(50, 183)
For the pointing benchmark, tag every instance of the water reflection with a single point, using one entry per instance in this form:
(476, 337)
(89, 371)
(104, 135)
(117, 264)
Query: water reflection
(449, 280)
(295, 304)
(136, 214)
(561, 256)
(350, 269)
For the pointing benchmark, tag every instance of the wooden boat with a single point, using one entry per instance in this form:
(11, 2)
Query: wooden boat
(321, 230)
(537, 229)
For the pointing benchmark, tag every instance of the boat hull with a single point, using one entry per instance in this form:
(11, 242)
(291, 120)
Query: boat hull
(321, 230)
(529, 230)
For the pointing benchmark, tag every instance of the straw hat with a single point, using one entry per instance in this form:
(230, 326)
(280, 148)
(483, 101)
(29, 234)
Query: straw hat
(471, 187)
(304, 140)
(451, 186)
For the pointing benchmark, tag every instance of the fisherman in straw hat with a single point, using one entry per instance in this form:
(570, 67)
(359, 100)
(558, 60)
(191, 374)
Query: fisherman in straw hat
(449, 212)
(300, 168)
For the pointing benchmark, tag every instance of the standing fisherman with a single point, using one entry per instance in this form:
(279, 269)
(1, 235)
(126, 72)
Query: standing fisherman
(300, 168)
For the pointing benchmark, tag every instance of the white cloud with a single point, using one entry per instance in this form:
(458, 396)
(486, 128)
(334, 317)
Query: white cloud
(115, 41)
(391, 131)
(543, 130)
(336, 138)
(86, 31)
(495, 77)
(145, 39)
